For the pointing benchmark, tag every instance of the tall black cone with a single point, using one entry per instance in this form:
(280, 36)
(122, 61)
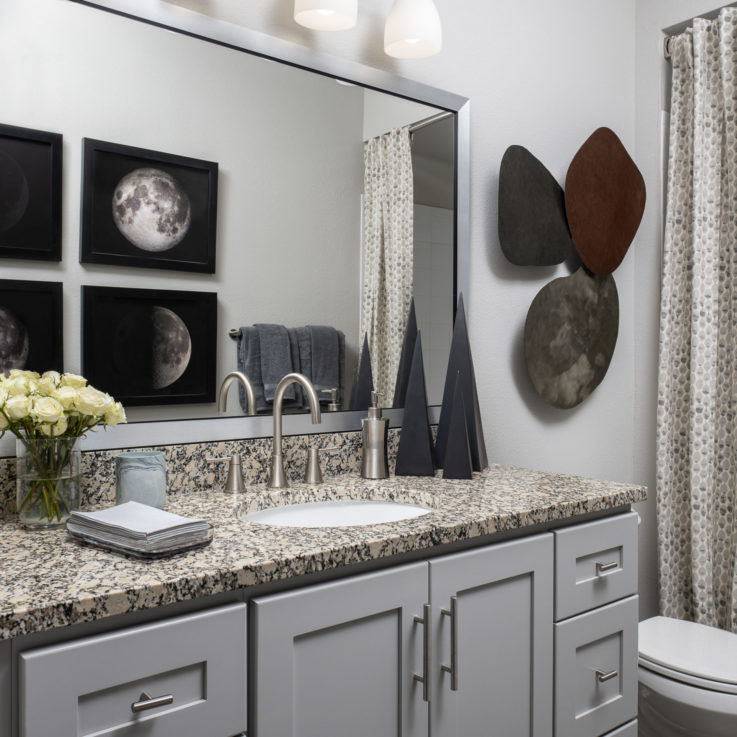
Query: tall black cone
(457, 451)
(460, 361)
(365, 382)
(415, 453)
(405, 359)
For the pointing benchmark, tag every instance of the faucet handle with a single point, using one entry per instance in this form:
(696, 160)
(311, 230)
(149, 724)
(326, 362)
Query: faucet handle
(313, 474)
(234, 482)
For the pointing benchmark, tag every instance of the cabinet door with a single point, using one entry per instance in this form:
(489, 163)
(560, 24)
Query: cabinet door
(498, 640)
(337, 659)
(4, 688)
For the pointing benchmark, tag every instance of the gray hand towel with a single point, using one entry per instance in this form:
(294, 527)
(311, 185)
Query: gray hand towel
(249, 363)
(300, 400)
(276, 358)
(325, 350)
(305, 351)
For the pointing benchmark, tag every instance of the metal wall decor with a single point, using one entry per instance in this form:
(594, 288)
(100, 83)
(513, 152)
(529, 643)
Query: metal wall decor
(572, 325)
(30, 193)
(150, 346)
(31, 326)
(147, 208)
(533, 230)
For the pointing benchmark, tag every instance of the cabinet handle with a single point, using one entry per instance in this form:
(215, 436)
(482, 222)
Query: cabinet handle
(453, 667)
(424, 620)
(603, 676)
(147, 702)
(604, 567)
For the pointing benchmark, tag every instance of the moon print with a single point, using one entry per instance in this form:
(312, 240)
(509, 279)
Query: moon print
(172, 347)
(14, 342)
(151, 209)
(13, 192)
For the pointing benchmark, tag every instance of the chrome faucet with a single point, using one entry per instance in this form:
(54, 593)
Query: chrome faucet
(278, 479)
(227, 381)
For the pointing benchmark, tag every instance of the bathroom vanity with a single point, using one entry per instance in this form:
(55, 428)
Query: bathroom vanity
(512, 604)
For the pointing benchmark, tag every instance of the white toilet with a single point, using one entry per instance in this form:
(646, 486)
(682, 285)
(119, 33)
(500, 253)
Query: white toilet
(687, 680)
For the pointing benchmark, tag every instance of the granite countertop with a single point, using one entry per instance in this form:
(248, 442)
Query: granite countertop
(49, 581)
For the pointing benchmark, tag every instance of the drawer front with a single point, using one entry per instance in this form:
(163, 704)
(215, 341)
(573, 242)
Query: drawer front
(626, 730)
(196, 663)
(595, 564)
(596, 670)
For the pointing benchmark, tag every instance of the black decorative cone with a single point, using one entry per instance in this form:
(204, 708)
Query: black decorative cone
(354, 389)
(415, 453)
(460, 361)
(365, 382)
(457, 451)
(405, 360)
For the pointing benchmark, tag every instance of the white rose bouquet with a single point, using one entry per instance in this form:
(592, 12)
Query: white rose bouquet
(38, 408)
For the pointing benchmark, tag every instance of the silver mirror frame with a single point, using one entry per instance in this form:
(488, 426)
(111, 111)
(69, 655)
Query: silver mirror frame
(179, 20)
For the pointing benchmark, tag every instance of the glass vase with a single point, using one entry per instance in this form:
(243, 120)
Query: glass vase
(48, 481)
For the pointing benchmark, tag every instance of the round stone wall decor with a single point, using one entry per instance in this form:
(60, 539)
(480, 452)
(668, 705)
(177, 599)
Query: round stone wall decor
(533, 230)
(604, 200)
(570, 335)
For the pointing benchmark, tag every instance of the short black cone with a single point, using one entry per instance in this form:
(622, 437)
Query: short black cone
(457, 451)
(365, 382)
(460, 361)
(415, 453)
(405, 359)
(354, 387)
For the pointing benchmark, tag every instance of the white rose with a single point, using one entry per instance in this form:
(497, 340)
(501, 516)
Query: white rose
(65, 395)
(29, 375)
(73, 380)
(91, 401)
(47, 409)
(48, 382)
(3, 395)
(17, 386)
(114, 415)
(53, 430)
(4, 424)
(17, 407)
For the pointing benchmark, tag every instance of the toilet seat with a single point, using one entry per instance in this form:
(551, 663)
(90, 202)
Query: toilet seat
(689, 653)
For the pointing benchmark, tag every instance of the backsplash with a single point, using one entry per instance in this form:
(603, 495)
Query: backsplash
(187, 468)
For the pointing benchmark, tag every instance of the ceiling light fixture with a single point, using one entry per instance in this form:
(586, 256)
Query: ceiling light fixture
(326, 15)
(413, 30)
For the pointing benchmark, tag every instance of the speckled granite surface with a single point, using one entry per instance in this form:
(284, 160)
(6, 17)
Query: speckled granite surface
(187, 466)
(48, 581)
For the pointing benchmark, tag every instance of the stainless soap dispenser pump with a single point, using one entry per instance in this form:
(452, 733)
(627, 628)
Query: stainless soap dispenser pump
(373, 459)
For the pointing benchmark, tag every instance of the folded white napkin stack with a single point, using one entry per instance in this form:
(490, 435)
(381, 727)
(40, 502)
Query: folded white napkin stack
(135, 525)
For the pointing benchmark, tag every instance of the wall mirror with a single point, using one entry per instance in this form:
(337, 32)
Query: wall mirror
(286, 126)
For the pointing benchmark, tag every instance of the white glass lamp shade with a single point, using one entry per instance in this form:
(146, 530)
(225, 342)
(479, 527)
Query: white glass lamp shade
(326, 15)
(413, 30)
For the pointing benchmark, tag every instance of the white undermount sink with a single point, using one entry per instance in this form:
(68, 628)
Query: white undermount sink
(337, 513)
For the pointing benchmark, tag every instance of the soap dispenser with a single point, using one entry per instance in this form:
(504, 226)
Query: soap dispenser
(373, 460)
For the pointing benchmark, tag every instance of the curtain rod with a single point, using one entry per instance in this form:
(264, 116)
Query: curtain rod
(436, 118)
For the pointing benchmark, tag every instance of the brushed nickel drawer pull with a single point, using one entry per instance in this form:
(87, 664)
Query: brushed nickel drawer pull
(147, 702)
(604, 567)
(453, 667)
(603, 676)
(424, 620)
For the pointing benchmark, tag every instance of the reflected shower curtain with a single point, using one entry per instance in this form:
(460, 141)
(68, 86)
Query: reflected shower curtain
(387, 253)
(697, 384)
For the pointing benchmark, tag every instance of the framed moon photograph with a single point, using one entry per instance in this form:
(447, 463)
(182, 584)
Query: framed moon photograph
(31, 326)
(150, 346)
(146, 208)
(30, 193)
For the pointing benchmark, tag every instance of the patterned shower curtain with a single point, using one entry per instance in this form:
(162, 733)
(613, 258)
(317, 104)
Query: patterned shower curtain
(387, 253)
(697, 394)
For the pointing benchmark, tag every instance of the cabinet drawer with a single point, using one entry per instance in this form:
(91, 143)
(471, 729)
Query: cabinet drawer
(596, 670)
(88, 686)
(626, 730)
(595, 563)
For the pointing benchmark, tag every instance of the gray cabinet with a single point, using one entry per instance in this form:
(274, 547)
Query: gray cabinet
(496, 641)
(4, 688)
(180, 676)
(337, 659)
(344, 658)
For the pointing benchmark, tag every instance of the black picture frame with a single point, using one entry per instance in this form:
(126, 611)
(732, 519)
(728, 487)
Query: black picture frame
(30, 193)
(185, 185)
(133, 346)
(33, 308)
